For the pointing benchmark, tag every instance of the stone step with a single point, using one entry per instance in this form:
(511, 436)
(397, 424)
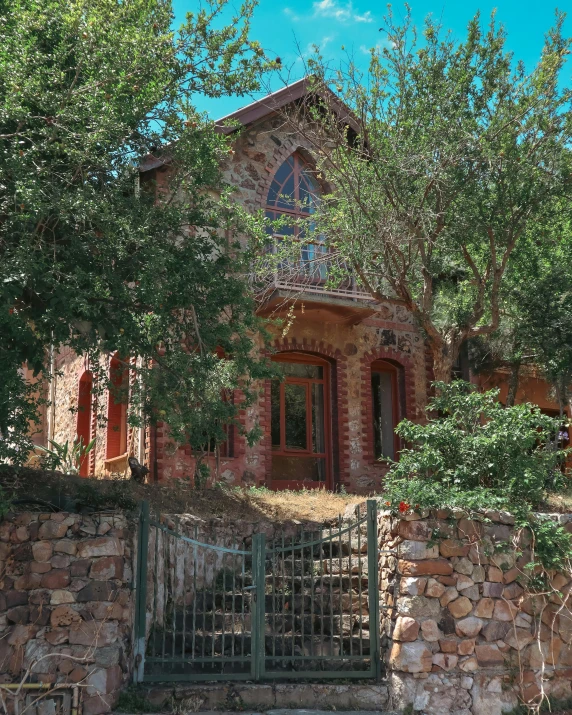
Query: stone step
(218, 644)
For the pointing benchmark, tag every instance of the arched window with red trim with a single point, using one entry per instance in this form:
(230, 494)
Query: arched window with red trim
(116, 442)
(84, 413)
(294, 194)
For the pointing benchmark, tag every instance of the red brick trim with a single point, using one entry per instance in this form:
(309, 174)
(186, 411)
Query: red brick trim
(340, 431)
(406, 365)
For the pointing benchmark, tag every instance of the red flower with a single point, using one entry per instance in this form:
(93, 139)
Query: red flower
(403, 506)
(387, 503)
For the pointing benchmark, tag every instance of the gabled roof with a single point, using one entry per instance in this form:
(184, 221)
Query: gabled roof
(276, 100)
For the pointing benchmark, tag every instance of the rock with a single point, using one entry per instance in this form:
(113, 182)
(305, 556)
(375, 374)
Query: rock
(60, 561)
(545, 653)
(65, 616)
(22, 553)
(445, 661)
(42, 551)
(57, 636)
(80, 568)
(59, 596)
(488, 655)
(434, 589)
(22, 634)
(478, 574)
(103, 681)
(417, 550)
(504, 611)
(39, 567)
(449, 595)
(453, 547)
(406, 629)
(411, 657)
(18, 614)
(415, 530)
(469, 529)
(52, 530)
(484, 608)
(56, 578)
(16, 598)
(94, 633)
(470, 665)
(430, 631)
(464, 566)
(428, 567)
(466, 647)
(469, 627)
(27, 582)
(97, 591)
(66, 546)
(463, 582)
(108, 567)
(513, 591)
(101, 546)
(460, 607)
(518, 638)
(494, 574)
(448, 645)
(492, 590)
(419, 607)
(472, 592)
(412, 586)
(495, 631)
(503, 560)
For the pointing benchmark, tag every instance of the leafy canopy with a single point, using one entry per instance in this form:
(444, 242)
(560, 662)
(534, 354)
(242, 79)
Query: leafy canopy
(89, 91)
(453, 152)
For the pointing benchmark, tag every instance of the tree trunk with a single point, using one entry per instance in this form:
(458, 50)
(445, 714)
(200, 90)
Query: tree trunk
(513, 381)
(443, 361)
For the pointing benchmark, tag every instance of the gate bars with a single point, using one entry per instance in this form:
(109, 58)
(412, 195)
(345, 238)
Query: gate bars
(303, 606)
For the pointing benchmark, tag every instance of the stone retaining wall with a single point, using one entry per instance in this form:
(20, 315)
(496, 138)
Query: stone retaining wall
(66, 602)
(465, 639)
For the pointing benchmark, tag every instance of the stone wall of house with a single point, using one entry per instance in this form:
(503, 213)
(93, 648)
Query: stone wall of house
(66, 603)
(465, 638)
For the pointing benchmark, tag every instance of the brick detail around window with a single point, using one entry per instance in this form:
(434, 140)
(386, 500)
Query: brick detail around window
(406, 365)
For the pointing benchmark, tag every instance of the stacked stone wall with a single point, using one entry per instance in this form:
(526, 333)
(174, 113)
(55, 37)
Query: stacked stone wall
(464, 637)
(66, 603)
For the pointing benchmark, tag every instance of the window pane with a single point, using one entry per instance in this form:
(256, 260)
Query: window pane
(301, 469)
(318, 437)
(302, 369)
(383, 401)
(296, 416)
(275, 414)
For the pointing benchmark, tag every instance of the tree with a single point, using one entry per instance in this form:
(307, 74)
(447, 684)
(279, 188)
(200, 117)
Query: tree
(449, 154)
(89, 91)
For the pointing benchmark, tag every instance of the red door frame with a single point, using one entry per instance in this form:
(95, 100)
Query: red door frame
(307, 359)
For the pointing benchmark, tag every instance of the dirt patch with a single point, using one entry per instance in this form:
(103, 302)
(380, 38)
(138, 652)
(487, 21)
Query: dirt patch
(42, 490)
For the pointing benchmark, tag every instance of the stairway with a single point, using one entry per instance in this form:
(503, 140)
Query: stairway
(316, 615)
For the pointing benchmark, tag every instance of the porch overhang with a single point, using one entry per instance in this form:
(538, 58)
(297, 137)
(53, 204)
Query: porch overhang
(317, 307)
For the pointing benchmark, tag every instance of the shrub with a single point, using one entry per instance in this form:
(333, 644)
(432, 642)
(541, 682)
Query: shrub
(474, 453)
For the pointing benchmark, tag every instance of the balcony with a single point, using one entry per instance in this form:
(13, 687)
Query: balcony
(309, 287)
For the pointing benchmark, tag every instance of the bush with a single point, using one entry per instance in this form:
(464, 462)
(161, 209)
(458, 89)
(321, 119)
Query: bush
(475, 453)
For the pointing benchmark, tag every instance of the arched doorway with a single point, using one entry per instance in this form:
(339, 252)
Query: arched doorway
(301, 423)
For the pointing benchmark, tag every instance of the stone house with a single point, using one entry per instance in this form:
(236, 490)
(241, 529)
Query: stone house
(354, 368)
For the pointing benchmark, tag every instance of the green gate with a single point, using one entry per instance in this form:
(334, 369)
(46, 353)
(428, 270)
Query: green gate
(302, 606)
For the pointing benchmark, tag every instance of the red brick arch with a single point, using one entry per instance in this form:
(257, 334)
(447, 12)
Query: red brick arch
(340, 432)
(406, 364)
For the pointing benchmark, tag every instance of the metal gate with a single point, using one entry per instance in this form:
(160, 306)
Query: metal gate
(302, 606)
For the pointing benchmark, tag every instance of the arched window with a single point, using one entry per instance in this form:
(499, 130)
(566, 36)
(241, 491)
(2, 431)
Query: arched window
(386, 408)
(294, 194)
(83, 427)
(116, 443)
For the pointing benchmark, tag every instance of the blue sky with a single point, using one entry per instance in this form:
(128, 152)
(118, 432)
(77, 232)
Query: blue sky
(289, 28)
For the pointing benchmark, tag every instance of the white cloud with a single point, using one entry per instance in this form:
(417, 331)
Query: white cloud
(291, 14)
(378, 47)
(342, 13)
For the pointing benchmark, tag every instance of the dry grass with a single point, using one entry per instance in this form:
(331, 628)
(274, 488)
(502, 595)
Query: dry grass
(173, 497)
